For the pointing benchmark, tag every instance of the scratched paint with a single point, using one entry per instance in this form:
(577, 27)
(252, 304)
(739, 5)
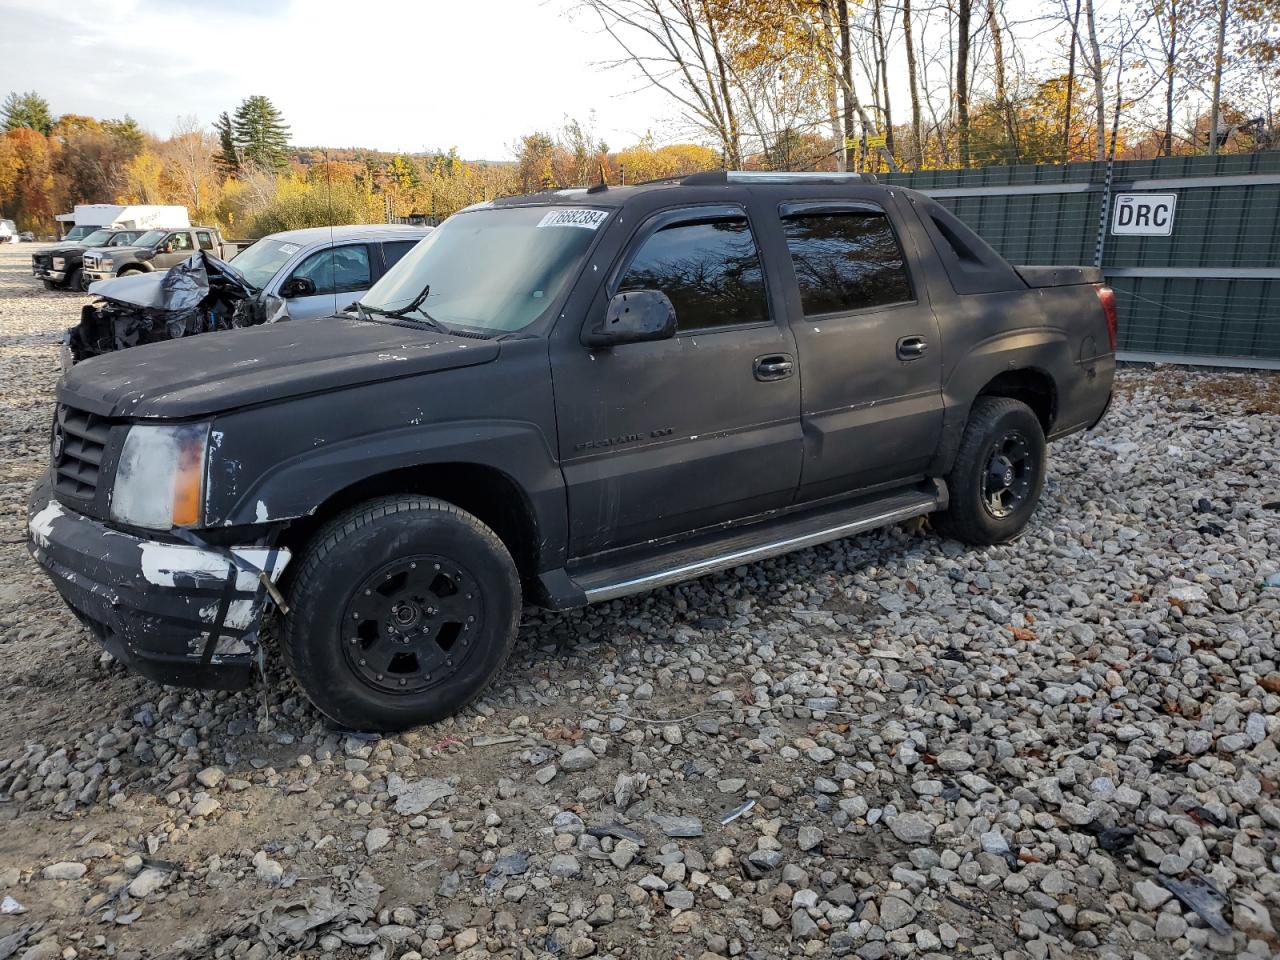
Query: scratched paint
(161, 562)
(41, 524)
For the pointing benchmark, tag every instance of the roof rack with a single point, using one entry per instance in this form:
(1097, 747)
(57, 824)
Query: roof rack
(769, 176)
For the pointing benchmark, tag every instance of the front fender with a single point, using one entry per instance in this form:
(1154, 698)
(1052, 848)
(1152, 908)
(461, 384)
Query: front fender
(297, 486)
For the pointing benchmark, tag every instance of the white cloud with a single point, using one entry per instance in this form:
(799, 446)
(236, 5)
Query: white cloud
(396, 76)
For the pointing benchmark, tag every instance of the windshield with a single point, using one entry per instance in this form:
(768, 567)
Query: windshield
(98, 238)
(76, 233)
(123, 240)
(493, 270)
(151, 238)
(261, 261)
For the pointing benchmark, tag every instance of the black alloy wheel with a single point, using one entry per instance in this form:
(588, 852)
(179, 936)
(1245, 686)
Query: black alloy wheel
(410, 624)
(1009, 476)
(402, 610)
(998, 473)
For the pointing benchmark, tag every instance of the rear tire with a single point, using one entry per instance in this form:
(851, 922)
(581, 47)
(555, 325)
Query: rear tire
(403, 610)
(998, 474)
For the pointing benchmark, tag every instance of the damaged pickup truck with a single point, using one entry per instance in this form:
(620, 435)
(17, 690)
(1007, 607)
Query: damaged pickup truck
(296, 275)
(560, 399)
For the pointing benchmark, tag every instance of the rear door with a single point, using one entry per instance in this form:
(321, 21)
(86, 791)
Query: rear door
(869, 348)
(664, 437)
(393, 251)
(340, 274)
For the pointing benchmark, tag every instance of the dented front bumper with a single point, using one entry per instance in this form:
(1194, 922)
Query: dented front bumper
(175, 613)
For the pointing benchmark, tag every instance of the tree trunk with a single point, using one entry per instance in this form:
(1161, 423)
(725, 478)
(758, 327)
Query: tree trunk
(1171, 67)
(916, 146)
(1003, 102)
(846, 75)
(962, 77)
(833, 106)
(882, 76)
(1099, 93)
(1215, 115)
(1071, 83)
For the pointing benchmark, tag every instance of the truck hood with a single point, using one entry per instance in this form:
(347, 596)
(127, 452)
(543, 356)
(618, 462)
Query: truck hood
(68, 250)
(222, 371)
(125, 253)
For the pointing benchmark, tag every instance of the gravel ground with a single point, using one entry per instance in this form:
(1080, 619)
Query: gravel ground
(885, 747)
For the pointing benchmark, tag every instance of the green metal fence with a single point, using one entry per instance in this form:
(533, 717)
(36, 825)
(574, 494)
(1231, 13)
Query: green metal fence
(1208, 292)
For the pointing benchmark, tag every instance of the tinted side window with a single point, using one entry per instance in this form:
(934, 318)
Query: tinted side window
(710, 270)
(393, 251)
(337, 270)
(846, 261)
(206, 241)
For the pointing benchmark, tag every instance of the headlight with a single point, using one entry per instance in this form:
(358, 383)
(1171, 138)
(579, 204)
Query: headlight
(160, 477)
(59, 263)
(105, 263)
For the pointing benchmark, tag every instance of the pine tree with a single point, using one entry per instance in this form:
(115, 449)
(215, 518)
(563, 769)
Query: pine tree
(226, 158)
(127, 132)
(27, 110)
(261, 135)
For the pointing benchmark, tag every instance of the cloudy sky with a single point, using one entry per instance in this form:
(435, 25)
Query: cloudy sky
(395, 76)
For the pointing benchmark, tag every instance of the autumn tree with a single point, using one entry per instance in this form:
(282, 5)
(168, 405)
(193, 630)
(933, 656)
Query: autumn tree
(26, 178)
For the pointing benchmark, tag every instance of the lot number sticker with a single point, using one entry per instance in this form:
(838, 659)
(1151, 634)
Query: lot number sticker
(1143, 214)
(589, 219)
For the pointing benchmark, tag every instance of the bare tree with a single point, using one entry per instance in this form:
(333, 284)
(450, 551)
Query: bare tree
(917, 145)
(962, 77)
(1215, 113)
(1003, 102)
(189, 159)
(882, 71)
(1074, 19)
(677, 48)
(1094, 63)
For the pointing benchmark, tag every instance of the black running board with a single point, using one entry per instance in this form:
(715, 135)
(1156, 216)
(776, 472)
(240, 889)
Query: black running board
(647, 569)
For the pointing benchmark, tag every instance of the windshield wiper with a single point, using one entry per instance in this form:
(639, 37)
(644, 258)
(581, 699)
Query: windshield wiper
(415, 304)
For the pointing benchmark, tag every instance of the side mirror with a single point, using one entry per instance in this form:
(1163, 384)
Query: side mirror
(635, 316)
(298, 287)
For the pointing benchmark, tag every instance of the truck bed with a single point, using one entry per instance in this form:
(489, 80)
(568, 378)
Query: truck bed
(1058, 276)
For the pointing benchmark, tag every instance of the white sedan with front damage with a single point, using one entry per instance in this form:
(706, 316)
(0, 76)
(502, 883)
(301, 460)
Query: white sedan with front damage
(295, 275)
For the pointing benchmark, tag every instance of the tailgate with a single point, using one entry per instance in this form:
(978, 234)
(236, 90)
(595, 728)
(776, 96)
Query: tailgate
(1058, 276)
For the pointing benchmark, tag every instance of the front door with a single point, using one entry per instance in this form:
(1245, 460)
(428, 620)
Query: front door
(341, 275)
(664, 437)
(175, 248)
(869, 347)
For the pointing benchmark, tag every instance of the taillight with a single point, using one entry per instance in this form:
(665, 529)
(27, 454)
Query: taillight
(1107, 297)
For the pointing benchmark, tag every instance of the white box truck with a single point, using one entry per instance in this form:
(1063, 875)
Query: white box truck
(88, 217)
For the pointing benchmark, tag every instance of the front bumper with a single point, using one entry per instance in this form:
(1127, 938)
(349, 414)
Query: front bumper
(48, 273)
(175, 613)
(91, 275)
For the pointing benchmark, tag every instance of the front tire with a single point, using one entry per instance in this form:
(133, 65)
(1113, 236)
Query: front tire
(402, 612)
(998, 474)
(75, 281)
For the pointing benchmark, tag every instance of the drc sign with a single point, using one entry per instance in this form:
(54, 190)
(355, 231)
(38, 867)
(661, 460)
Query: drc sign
(1143, 214)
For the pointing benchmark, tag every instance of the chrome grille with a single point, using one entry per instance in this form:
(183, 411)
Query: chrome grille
(80, 440)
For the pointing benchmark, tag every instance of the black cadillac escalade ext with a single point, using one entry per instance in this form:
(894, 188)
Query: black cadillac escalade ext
(559, 399)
